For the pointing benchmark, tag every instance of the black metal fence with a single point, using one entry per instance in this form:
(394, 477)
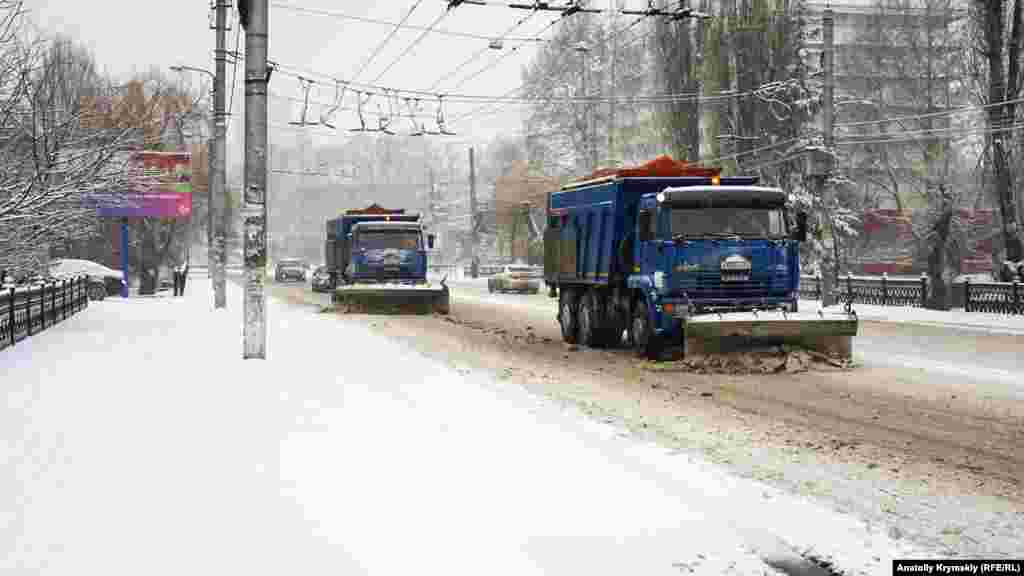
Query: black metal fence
(995, 297)
(28, 311)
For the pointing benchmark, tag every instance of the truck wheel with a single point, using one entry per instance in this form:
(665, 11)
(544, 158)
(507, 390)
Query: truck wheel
(646, 343)
(567, 315)
(589, 321)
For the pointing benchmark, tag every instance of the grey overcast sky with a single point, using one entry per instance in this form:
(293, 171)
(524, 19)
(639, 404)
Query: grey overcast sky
(132, 36)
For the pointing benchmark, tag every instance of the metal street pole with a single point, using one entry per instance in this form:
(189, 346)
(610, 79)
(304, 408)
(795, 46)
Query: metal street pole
(254, 17)
(219, 176)
(831, 272)
(473, 217)
(582, 48)
(211, 170)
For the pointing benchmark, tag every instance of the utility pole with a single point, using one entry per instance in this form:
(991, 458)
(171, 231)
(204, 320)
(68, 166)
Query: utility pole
(473, 217)
(525, 208)
(219, 176)
(254, 17)
(588, 135)
(611, 88)
(830, 272)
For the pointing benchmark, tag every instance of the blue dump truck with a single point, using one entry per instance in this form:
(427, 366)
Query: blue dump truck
(377, 261)
(704, 262)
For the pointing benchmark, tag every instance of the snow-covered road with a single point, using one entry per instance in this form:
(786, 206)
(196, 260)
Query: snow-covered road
(137, 441)
(969, 351)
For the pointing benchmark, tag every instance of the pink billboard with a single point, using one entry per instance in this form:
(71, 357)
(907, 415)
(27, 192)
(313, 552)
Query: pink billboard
(159, 186)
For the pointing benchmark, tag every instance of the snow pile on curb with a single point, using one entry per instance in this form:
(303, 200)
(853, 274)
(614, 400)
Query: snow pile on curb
(957, 318)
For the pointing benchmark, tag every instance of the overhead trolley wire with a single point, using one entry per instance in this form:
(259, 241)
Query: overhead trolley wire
(418, 39)
(479, 52)
(506, 54)
(387, 39)
(517, 88)
(439, 31)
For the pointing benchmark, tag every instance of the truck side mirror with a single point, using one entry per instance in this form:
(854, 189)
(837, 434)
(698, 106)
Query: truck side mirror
(430, 241)
(645, 226)
(800, 234)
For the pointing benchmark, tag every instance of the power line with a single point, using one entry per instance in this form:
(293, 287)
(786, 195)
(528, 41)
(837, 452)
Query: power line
(414, 43)
(952, 112)
(682, 97)
(517, 88)
(442, 32)
(478, 53)
(505, 55)
(387, 39)
(282, 97)
(950, 132)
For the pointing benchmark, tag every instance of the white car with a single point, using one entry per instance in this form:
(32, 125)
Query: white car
(99, 275)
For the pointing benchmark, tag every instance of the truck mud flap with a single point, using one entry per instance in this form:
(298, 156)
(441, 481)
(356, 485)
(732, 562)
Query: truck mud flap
(391, 299)
(827, 333)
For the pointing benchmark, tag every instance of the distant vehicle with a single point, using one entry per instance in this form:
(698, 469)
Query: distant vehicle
(293, 269)
(103, 281)
(321, 279)
(378, 258)
(514, 278)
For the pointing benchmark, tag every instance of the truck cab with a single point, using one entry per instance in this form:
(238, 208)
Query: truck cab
(387, 251)
(714, 248)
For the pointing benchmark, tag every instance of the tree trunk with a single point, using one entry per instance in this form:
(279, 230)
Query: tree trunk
(1001, 89)
(939, 299)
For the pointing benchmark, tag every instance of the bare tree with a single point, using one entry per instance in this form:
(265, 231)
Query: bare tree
(1000, 41)
(50, 157)
(910, 59)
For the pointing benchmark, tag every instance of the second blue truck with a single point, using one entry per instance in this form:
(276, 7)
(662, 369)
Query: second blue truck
(689, 260)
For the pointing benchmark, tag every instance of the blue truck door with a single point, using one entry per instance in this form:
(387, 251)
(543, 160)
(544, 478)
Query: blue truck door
(602, 262)
(646, 222)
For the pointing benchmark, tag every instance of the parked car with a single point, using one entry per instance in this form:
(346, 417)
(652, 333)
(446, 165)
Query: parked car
(321, 279)
(103, 281)
(514, 278)
(291, 269)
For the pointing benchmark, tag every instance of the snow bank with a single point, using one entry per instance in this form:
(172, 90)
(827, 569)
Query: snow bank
(957, 318)
(136, 432)
(73, 267)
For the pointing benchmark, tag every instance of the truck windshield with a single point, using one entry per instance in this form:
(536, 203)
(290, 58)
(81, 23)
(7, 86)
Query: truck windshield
(388, 239)
(756, 222)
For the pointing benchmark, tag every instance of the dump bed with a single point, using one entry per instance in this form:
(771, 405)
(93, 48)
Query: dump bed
(589, 238)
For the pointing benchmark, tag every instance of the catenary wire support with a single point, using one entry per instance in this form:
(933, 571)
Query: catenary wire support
(339, 94)
(413, 109)
(384, 120)
(441, 128)
(360, 102)
(307, 84)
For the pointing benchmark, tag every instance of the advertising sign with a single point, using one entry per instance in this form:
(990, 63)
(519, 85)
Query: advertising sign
(159, 186)
(887, 242)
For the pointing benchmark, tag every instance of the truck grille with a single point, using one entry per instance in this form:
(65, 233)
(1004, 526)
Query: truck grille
(731, 283)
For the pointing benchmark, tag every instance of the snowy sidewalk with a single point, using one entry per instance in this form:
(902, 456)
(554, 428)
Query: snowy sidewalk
(957, 318)
(139, 441)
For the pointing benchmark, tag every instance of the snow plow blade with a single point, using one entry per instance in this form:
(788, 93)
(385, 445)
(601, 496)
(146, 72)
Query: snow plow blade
(391, 299)
(829, 333)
